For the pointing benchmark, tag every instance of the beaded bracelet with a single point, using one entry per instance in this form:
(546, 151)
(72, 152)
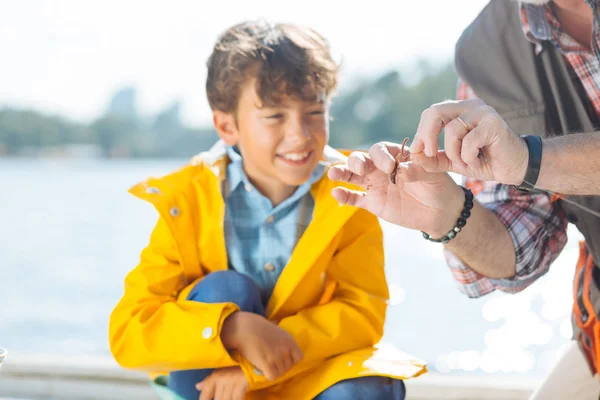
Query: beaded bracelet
(460, 223)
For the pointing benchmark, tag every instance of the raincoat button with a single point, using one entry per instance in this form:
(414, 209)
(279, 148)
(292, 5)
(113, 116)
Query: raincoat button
(270, 219)
(350, 364)
(207, 332)
(174, 211)
(269, 267)
(152, 190)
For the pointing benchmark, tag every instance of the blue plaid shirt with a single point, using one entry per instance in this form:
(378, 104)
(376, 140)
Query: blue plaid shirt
(260, 238)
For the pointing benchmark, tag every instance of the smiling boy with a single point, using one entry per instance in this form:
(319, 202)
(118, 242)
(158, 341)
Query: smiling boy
(256, 284)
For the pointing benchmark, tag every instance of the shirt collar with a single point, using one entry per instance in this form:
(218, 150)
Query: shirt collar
(235, 170)
(540, 24)
(237, 176)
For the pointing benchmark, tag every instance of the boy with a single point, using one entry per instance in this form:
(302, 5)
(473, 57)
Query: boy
(256, 284)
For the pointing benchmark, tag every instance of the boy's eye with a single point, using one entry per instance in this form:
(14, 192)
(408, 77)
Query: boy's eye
(317, 112)
(275, 116)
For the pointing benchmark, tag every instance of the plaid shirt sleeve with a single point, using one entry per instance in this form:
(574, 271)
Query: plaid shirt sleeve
(537, 227)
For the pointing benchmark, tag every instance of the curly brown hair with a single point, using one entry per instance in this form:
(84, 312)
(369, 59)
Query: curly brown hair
(286, 60)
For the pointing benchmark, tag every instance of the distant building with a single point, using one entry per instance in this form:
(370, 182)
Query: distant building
(123, 104)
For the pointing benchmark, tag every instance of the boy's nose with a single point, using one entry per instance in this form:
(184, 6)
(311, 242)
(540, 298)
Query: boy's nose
(298, 132)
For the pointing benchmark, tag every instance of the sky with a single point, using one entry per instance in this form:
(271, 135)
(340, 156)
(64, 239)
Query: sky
(67, 57)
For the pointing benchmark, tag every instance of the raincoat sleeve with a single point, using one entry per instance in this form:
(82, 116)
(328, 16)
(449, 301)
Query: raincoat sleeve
(153, 330)
(354, 316)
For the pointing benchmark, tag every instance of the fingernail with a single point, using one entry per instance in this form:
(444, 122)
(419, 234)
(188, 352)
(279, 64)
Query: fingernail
(391, 166)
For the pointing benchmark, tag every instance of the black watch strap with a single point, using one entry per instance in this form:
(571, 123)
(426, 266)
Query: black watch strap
(534, 144)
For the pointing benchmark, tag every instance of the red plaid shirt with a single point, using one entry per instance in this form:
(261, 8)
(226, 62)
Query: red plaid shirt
(537, 226)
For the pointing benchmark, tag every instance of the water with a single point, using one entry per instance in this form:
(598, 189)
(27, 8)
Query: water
(69, 232)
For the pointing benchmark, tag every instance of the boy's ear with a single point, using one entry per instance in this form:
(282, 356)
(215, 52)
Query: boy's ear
(226, 127)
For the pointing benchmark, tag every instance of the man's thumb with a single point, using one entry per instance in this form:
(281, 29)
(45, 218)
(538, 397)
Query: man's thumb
(439, 163)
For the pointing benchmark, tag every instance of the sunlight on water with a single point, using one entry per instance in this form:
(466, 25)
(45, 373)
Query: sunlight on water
(526, 330)
(506, 347)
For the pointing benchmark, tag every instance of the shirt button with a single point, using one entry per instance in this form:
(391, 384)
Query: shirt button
(207, 332)
(257, 371)
(270, 219)
(248, 188)
(269, 267)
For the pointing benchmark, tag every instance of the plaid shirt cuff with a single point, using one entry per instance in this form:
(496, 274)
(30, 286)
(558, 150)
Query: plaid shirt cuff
(538, 232)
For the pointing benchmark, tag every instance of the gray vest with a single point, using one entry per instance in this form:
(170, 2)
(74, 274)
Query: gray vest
(533, 93)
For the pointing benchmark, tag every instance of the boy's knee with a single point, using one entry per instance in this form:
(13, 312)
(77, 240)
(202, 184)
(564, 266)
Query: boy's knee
(227, 287)
(368, 387)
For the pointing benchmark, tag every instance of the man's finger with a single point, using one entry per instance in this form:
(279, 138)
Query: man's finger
(425, 131)
(359, 163)
(437, 117)
(439, 163)
(472, 144)
(454, 132)
(471, 148)
(473, 119)
(417, 146)
(383, 156)
(343, 174)
(349, 197)
(411, 172)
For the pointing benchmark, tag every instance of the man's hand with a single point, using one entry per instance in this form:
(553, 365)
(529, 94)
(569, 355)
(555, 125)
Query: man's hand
(484, 147)
(430, 202)
(224, 384)
(269, 348)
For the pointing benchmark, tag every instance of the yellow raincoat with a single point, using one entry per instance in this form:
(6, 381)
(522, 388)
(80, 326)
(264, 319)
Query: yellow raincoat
(331, 297)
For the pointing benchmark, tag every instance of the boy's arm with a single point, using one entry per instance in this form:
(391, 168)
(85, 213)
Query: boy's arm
(355, 316)
(151, 330)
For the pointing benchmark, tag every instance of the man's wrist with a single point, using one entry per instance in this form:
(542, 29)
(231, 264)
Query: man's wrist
(521, 163)
(551, 162)
(454, 207)
(533, 164)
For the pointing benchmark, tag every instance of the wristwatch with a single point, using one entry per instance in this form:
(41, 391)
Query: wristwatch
(534, 145)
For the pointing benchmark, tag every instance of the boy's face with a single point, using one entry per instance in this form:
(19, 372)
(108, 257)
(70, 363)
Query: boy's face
(281, 144)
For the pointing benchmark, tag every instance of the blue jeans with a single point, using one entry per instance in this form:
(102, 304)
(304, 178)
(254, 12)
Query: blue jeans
(233, 287)
(366, 387)
(217, 287)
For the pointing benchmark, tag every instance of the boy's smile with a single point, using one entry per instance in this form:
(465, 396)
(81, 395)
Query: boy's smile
(296, 158)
